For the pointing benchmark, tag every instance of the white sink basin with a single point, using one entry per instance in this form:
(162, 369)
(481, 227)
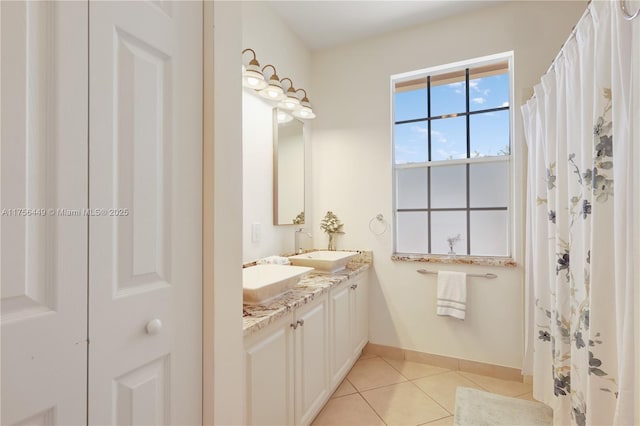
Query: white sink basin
(263, 282)
(326, 261)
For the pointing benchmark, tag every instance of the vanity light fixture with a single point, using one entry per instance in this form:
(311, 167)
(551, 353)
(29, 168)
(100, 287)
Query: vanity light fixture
(273, 91)
(291, 102)
(284, 117)
(252, 77)
(305, 111)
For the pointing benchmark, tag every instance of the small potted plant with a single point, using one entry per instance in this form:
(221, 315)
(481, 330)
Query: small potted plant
(452, 242)
(332, 226)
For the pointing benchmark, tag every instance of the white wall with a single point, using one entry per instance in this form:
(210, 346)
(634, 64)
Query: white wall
(222, 302)
(352, 170)
(264, 32)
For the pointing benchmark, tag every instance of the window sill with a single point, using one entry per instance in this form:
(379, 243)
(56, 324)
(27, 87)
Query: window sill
(460, 260)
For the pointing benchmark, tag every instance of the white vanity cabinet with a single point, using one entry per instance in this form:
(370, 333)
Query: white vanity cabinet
(294, 364)
(349, 325)
(287, 367)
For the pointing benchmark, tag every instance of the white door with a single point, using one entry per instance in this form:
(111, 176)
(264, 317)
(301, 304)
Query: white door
(361, 308)
(312, 360)
(145, 259)
(341, 332)
(269, 364)
(44, 252)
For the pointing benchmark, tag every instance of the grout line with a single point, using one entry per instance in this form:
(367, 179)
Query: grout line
(435, 420)
(421, 377)
(373, 409)
(383, 386)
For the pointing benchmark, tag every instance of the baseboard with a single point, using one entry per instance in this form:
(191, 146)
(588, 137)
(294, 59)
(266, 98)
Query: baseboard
(455, 364)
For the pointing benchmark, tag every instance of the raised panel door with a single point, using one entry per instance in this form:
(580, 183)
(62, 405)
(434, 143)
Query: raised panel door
(341, 333)
(44, 168)
(361, 312)
(145, 261)
(312, 360)
(269, 370)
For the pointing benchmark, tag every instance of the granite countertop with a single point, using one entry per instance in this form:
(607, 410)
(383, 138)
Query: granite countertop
(311, 286)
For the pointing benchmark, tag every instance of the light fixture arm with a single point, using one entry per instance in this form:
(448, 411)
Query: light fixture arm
(275, 72)
(290, 83)
(305, 98)
(254, 61)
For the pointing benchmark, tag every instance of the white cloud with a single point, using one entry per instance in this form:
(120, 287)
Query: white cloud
(505, 103)
(418, 129)
(438, 136)
(478, 100)
(449, 155)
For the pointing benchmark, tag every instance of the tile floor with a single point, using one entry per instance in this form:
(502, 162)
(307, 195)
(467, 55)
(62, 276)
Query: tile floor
(385, 391)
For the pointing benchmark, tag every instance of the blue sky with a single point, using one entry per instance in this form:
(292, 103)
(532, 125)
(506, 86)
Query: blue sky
(489, 131)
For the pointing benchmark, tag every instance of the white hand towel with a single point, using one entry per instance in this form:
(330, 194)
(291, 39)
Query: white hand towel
(452, 294)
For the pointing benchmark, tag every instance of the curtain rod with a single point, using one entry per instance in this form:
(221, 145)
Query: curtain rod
(571, 36)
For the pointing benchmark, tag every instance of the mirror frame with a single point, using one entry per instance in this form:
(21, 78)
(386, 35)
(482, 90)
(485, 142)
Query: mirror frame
(276, 195)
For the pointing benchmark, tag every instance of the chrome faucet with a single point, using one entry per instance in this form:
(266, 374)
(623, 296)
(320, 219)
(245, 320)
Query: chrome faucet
(296, 242)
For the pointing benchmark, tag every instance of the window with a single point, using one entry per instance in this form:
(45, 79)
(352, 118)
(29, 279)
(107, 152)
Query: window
(452, 157)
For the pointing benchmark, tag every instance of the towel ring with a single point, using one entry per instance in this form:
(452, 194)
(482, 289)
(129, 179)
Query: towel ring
(626, 14)
(379, 218)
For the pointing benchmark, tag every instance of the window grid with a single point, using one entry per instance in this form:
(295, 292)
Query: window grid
(468, 209)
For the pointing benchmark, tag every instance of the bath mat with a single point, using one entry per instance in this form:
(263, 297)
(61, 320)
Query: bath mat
(478, 408)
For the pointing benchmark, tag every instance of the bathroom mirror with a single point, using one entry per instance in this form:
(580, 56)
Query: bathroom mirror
(288, 169)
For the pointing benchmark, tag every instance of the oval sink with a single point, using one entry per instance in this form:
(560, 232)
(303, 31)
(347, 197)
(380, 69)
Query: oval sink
(323, 260)
(263, 282)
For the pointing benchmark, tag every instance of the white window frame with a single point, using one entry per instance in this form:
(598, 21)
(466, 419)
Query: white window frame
(512, 158)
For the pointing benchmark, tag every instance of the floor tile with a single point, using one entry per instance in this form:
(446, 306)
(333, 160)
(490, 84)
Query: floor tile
(447, 421)
(347, 410)
(345, 388)
(367, 356)
(499, 386)
(404, 404)
(442, 388)
(414, 370)
(373, 373)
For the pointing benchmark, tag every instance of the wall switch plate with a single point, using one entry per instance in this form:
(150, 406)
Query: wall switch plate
(255, 232)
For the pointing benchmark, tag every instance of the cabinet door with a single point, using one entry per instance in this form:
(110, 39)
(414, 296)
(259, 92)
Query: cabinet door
(341, 332)
(312, 350)
(361, 312)
(269, 372)
(43, 303)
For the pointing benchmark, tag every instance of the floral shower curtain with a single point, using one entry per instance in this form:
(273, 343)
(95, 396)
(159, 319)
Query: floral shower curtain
(579, 241)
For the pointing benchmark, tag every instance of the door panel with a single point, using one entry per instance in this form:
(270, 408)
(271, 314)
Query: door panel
(312, 371)
(341, 332)
(145, 248)
(269, 374)
(361, 303)
(43, 194)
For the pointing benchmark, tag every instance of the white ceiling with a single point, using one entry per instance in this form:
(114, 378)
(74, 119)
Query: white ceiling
(327, 23)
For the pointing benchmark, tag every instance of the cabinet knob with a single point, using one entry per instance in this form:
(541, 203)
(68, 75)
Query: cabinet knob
(300, 322)
(294, 326)
(354, 286)
(154, 326)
